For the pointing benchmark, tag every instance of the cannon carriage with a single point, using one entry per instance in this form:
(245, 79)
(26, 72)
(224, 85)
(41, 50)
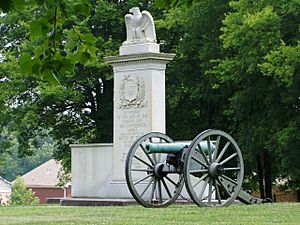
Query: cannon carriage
(211, 167)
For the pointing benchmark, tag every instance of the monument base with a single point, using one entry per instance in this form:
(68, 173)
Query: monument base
(92, 174)
(96, 202)
(107, 202)
(139, 48)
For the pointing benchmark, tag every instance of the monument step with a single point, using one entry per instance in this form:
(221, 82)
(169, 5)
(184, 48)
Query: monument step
(106, 202)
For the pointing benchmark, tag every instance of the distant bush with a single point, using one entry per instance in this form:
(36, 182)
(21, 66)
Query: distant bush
(20, 195)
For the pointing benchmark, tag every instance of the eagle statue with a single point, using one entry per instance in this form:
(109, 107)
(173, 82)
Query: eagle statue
(139, 27)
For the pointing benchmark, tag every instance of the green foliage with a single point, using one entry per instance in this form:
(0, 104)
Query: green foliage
(191, 96)
(13, 165)
(283, 63)
(20, 195)
(64, 178)
(237, 69)
(288, 140)
(262, 69)
(56, 39)
(264, 23)
(5, 5)
(174, 3)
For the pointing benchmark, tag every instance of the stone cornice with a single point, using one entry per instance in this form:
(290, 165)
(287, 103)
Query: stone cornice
(143, 57)
(94, 145)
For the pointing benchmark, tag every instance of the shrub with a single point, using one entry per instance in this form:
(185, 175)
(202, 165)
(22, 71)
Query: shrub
(20, 195)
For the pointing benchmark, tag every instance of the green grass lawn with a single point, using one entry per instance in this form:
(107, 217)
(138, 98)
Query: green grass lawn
(284, 213)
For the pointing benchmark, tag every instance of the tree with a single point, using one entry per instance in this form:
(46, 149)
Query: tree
(253, 34)
(20, 195)
(282, 64)
(193, 102)
(246, 84)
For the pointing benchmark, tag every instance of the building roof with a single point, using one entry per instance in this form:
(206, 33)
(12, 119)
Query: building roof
(2, 180)
(5, 186)
(44, 175)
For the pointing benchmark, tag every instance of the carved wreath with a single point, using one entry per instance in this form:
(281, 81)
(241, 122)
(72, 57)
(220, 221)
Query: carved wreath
(138, 101)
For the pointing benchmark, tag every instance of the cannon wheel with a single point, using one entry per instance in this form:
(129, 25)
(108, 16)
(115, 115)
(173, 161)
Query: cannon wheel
(147, 185)
(213, 176)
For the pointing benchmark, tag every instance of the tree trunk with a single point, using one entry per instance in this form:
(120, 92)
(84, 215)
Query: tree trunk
(268, 173)
(260, 177)
(104, 113)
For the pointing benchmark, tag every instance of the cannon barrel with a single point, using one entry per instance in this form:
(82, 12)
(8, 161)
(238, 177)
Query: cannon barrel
(175, 147)
(166, 147)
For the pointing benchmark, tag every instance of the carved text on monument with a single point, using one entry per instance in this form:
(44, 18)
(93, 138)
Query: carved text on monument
(131, 125)
(132, 92)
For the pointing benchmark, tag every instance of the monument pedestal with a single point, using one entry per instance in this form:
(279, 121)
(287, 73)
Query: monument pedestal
(98, 170)
(139, 101)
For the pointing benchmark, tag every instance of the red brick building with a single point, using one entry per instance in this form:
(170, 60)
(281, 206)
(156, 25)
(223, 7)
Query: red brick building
(43, 180)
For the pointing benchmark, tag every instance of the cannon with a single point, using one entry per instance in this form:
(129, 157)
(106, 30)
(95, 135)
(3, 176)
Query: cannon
(211, 167)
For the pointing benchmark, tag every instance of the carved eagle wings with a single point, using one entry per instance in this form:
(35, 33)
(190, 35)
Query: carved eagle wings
(139, 27)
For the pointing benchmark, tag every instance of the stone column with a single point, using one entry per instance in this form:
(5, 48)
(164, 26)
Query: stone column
(139, 99)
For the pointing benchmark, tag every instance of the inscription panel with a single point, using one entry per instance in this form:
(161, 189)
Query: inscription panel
(131, 124)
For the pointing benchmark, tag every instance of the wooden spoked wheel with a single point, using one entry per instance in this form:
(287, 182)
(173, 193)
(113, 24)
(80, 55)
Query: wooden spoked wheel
(147, 182)
(213, 169)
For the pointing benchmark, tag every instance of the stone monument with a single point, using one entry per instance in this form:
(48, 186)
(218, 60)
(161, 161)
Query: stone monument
(139, 107)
